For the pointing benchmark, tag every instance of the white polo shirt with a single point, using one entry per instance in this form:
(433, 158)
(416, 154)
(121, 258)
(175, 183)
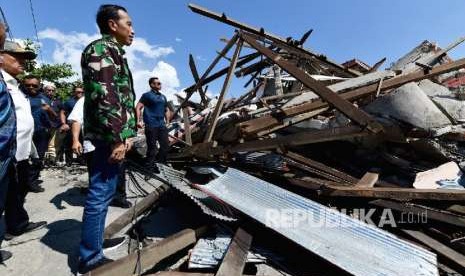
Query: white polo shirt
(77, 115)
(24, 119)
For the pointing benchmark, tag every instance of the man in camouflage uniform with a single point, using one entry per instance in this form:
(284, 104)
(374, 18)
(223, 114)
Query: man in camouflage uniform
(109, 123)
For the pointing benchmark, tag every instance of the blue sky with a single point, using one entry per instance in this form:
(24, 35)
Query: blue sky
(168, 31)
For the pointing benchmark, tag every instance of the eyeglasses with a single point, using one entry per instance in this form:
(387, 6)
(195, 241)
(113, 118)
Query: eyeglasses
(157, 83)
(32, 85)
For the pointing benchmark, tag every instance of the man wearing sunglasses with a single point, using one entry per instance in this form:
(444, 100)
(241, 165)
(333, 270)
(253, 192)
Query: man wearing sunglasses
(155, 116)
(42, 113)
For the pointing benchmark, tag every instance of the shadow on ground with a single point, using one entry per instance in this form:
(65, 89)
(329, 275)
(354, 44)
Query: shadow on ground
(73, 196)
(64, 236)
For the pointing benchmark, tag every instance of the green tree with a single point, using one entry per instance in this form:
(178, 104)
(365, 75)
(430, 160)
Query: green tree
(58, 74)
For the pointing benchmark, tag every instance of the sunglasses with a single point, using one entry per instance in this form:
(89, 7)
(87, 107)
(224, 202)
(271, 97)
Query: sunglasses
(32, 85)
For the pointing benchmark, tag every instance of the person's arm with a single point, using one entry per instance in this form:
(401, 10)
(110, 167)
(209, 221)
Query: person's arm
(64, 126)
(75, 131)
(49, 111)
(139, 108)
(76, 118)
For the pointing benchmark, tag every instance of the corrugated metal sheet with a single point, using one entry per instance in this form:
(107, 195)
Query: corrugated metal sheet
(354, 246)
(209, 205)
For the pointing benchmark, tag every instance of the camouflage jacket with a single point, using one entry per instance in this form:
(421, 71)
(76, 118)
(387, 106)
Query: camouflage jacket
(109, 112)
(7, 124)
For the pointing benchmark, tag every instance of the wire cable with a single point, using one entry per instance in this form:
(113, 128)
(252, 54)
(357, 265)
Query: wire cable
(35, 29)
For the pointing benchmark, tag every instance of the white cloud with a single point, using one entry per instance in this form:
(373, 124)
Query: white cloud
(178, 39)
(144, 58)
(199, 57)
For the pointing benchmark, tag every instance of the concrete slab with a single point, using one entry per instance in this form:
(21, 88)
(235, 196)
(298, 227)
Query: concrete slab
(409, 104)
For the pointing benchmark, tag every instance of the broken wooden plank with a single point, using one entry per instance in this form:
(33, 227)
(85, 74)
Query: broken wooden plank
(201, 81)
(320, 166)
(279, 40)
(430, 213)
(235, 258)
(195, 74)
(135, 211)
(369, 179)
(265, 122)
(376, 66)
(149, 256)
(325, 93)
(438, 247)
(301, 138)
(187, 126)
(221, 72)
(220, 102)
(335, 190)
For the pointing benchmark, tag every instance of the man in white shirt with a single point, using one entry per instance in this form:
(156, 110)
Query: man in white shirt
(76, 119)
(16, 217)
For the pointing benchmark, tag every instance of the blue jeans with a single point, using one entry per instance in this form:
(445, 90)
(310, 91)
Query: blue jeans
(5, 174)
(103, 178)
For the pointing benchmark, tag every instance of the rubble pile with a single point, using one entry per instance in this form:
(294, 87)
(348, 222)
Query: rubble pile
(311, 137)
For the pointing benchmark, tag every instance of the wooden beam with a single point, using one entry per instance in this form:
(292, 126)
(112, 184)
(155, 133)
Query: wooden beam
(324, 92)
(149, 256)
(219, 105)
(187, 126)
(335, 190)
(301, 138)
(431, 213)
(320, 166)
(135, 211)
(201, 81)
(221, 72)
(368, 180)
(261, 32)
(195, 74)
(262, 123)
(441, 249)
(235, 258)
(376, 66)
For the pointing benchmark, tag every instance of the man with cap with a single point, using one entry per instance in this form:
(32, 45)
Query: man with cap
(16, 218)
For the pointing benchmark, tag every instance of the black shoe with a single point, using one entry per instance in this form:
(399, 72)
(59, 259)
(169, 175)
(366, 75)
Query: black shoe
(5, 255)
(122, 203)
(31, 226)
(109, 244)
(36, 189)
(82, 269)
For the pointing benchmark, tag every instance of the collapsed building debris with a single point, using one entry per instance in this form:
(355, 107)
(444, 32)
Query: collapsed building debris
(322, 138)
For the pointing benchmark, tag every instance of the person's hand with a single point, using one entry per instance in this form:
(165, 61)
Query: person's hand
(77, 147)
(117, 153)
(128, 144)
(64, 128)
(140, 125)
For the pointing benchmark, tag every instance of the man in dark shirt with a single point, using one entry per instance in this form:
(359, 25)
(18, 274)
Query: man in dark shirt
(67, 107)
(41, 112)
(154, 115)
